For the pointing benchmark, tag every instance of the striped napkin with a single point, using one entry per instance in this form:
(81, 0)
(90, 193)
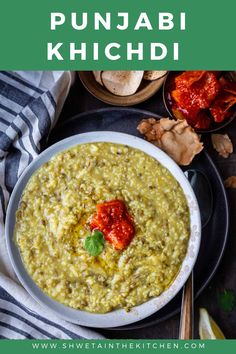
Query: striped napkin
(30, 103)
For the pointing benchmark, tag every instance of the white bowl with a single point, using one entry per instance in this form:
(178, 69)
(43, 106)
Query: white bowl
(117, 317)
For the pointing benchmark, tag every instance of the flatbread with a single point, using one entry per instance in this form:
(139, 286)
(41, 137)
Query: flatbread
(122, 83)
(97, 75)
(153, 74)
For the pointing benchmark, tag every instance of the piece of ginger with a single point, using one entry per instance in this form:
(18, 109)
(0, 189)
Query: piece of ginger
(175, 137)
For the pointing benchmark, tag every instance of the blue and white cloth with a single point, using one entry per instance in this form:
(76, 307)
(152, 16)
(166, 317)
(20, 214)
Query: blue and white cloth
(30, 103)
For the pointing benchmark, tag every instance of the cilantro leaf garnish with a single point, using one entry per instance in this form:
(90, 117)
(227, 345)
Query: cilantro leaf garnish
(226, 300)
(94, 243)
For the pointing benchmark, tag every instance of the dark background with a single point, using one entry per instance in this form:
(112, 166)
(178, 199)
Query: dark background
(80, 100)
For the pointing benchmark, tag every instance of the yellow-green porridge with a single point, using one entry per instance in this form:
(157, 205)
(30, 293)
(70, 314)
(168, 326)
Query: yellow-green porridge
(52, 225)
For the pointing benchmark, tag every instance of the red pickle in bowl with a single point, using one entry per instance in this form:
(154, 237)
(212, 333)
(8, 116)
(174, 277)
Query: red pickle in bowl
(201, 97)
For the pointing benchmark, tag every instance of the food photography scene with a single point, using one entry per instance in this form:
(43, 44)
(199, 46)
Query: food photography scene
(117, 205)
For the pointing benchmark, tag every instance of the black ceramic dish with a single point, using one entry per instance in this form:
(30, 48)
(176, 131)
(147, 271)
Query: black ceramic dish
(166, 92)
(214, 235)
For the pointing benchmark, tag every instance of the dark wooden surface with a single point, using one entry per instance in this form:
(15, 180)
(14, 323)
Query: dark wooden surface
(78, 101)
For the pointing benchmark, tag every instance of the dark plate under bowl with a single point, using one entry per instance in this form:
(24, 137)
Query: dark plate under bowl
(214, 235)
(214, 126)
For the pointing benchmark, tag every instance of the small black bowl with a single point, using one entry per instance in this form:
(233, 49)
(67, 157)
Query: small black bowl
(214, 126)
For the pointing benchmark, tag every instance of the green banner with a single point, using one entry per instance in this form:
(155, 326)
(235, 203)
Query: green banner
(117, 346)
(101, 34)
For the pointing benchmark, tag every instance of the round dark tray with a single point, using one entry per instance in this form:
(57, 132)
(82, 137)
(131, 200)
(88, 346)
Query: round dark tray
(214, 235)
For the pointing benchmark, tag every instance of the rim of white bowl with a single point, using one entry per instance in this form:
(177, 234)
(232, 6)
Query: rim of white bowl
(117, 317)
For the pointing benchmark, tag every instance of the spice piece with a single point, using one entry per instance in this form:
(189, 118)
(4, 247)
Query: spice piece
(230, 182)
(222, 144)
